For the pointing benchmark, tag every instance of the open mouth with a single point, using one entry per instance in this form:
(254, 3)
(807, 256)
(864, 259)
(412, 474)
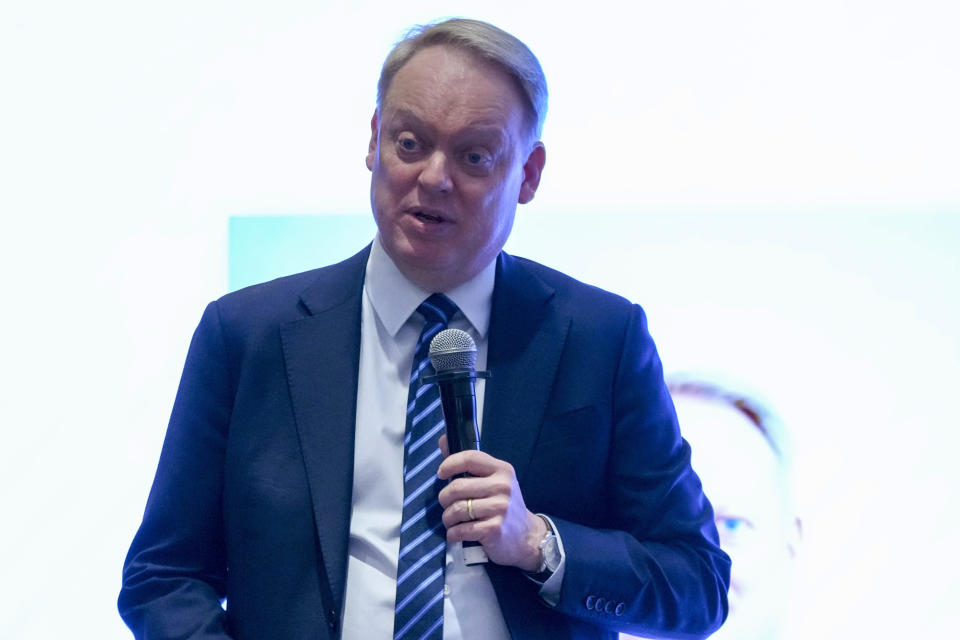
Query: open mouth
(432, 218)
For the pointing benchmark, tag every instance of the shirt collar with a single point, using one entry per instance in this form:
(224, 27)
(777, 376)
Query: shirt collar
(394, 298)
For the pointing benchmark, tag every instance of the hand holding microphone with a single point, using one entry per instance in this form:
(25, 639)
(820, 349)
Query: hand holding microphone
(453, 354)
(483, 506)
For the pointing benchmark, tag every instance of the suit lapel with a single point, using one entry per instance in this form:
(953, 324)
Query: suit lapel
(322, 357)
(527, 336)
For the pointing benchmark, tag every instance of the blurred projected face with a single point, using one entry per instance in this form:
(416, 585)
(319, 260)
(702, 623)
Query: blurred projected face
(451, 159)
(739, 471)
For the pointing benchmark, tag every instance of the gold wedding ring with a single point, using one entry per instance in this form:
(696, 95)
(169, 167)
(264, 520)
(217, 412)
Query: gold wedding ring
(470, 509)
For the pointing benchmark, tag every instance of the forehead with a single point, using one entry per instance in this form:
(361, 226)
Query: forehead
(448, 87)
(735, 462)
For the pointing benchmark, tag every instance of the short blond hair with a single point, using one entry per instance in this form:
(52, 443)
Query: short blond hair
(487, 42)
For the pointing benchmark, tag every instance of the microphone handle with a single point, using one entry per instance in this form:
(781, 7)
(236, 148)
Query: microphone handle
(458, 397)
(460, 414)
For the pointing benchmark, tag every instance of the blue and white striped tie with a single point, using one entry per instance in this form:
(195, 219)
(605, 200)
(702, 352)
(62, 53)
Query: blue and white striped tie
(423, 538)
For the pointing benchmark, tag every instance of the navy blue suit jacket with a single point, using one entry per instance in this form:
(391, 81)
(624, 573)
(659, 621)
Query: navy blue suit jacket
(251, 500)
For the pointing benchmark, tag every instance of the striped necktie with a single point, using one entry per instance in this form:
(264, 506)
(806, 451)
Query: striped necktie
(423, 538)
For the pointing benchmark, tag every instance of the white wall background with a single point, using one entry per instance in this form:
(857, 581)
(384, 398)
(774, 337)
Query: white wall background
(130, 132)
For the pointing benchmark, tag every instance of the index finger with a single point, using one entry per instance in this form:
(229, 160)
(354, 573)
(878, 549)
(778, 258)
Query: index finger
(476, 463)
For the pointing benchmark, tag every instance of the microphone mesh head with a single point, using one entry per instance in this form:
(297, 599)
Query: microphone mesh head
(453, 349)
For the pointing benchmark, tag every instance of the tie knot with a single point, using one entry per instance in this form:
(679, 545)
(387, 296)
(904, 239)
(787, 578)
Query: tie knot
(438, 308)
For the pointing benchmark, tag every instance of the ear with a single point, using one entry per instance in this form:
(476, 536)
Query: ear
(532, 169)
(374, 134)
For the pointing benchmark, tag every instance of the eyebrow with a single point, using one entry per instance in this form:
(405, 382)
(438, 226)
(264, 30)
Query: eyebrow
(407, 115)
(402, 116)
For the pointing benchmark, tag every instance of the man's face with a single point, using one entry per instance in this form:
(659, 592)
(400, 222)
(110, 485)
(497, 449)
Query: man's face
(451, 159)
(741, 477)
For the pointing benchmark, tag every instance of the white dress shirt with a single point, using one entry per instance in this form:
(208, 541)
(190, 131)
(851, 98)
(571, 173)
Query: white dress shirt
(388, 336)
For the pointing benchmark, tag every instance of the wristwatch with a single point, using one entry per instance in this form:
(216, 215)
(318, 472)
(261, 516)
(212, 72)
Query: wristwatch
(549, 554)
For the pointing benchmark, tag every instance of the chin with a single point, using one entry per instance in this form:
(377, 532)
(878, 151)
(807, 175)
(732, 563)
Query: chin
(428, 260)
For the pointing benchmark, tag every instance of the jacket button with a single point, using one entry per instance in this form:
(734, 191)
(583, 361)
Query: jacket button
(332, 620)
(599, 604)
(589, 601)
(619, 610)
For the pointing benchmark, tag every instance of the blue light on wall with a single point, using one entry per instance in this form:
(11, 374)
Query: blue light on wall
(262, 248)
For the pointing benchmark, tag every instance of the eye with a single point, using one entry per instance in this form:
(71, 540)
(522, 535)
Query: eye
(477, 159)
(408, 143)
(731, 524)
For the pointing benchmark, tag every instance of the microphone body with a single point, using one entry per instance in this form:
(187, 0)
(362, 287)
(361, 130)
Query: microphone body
(453, 355)
(459, 399)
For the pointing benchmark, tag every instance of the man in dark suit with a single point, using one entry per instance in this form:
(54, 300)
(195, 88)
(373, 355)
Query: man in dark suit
(276, 508)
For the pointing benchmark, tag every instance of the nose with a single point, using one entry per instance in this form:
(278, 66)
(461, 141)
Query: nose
(435, 176)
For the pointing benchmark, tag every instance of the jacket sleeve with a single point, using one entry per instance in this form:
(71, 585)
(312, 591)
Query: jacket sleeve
(654, 568)
(174, 576)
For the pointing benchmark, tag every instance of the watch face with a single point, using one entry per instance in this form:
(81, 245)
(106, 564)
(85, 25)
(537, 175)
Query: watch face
(551, 552)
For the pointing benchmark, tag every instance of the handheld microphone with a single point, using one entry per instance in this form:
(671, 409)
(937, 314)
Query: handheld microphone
(453, 354)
